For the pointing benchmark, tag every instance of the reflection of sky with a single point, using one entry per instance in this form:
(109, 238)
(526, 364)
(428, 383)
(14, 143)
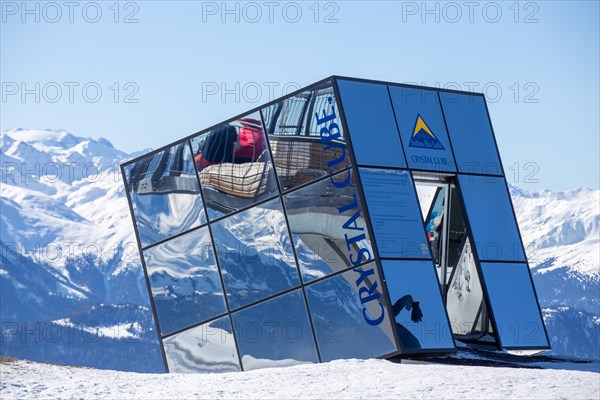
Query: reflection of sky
(418, 279)
(492, 221)
(514, 305)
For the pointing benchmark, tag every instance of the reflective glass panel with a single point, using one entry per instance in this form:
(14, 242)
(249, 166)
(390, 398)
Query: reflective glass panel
(306, 136)
(164, 194)
(471, 133)
(255, 254)
(395, 214)
(349, 315)
(491, 217)
(465, 302)
(422, 129)
(420, 315)
(426, 194)
(454, 262)
(275, 333)
(328, 226)
(203, 349)
(234, 165)
(514, 305)
(435, 226)
(371, 123)
(185, 281)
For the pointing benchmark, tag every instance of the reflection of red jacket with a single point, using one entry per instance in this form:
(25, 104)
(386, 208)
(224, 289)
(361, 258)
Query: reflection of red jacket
(200, 163)
(224, 144)
(251, 139)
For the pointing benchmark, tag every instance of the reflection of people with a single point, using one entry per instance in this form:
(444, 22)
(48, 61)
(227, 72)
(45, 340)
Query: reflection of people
(251, 142)
(226, 145)
(218, 147)
(407, 338)
(434, 234)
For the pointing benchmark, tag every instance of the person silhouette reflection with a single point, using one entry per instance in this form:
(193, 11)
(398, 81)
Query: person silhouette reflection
(407, 339)
(218, 147)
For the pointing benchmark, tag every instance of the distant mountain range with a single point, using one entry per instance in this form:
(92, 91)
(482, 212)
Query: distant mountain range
(72, 288)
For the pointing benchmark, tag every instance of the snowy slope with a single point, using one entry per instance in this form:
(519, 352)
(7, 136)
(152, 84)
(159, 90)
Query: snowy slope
(334, 380)
(69, 254)
(560, 229)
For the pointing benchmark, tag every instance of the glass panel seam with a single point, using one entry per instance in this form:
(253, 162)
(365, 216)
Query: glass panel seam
(189, 142)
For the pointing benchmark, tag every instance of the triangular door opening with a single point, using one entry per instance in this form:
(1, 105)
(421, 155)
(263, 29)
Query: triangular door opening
(455, 264)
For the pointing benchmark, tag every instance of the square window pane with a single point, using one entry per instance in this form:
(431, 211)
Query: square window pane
(370, 118)
(164, 194)
(422, 129)
(203, 349)
(306, 136)
(514, 305)
(420, 315)
(234, 165)
(328, 226)
(471, 133)
(395, 214)
(349, 315)
(275, 333)
(185, 281)
(255, 254)
(490, 214)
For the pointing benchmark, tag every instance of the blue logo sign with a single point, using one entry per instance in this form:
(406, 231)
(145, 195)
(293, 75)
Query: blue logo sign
(422, 136)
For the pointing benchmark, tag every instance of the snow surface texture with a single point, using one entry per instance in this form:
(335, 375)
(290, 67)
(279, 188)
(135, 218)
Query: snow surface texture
(561, 227)
(335, 380)
(69, 256)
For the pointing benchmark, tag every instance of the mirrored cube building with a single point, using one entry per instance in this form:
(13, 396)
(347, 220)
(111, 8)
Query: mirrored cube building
(349, 219)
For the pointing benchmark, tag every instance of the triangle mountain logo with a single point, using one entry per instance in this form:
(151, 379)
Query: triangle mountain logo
(423, 137)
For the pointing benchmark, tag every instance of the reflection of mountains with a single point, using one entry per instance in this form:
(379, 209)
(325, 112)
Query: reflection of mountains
(185, 280)
(207, 348)
(162, 215)
(255, 253)
(338, 316)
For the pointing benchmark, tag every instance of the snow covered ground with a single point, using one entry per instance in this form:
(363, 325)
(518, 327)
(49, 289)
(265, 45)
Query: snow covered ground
(333, 380)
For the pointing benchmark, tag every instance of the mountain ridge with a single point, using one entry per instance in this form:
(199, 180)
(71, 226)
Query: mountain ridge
(67, 241)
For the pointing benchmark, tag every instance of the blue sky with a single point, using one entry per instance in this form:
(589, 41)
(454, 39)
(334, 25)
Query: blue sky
(189, 64)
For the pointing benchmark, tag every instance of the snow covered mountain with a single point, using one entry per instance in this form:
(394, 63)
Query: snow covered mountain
(70, 274)
(561, 231)
(70, 271)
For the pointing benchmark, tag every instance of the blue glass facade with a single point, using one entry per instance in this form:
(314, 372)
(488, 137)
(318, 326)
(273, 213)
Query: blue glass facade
(350, 219)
